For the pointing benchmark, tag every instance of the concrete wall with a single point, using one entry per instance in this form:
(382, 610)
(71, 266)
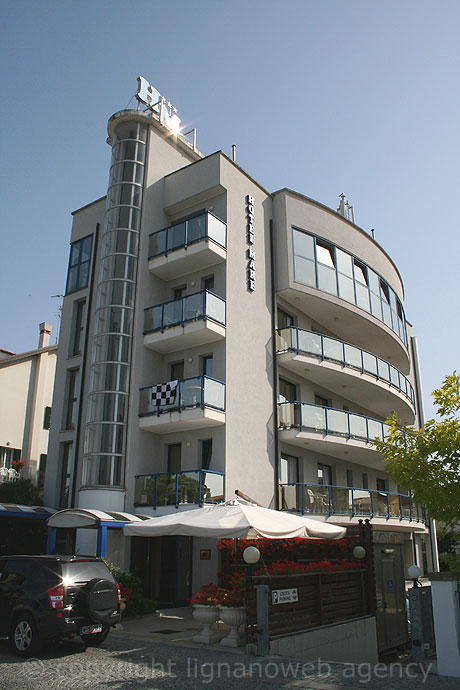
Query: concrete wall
(352, 642)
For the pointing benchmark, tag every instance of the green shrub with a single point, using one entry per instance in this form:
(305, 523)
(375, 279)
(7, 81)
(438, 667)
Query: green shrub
(22, 492)
(131, 592)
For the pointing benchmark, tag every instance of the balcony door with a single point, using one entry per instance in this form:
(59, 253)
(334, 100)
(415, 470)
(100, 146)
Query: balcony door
(287, 396)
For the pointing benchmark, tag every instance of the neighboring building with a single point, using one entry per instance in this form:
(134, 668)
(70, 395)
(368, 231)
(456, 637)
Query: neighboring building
(26, 385)
(217, 337)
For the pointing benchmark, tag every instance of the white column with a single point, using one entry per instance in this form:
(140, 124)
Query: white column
(446, 615)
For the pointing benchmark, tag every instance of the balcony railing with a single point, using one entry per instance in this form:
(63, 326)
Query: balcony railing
(199, 305)
(328, 420)
(341, 500)
(200, 391)
(179, 488)
(180, 235)
(301, 341)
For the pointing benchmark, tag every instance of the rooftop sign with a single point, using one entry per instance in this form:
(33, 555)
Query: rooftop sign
(148, 94)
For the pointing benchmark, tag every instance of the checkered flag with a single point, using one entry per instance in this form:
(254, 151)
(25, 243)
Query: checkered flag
(164, 393)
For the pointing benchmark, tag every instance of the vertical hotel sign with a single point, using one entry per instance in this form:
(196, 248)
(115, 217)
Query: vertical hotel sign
(251, 254)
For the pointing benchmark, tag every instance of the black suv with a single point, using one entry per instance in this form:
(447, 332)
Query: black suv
(51, 597)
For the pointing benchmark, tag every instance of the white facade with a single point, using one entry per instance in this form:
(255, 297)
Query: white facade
(280, 371)
(26, 384)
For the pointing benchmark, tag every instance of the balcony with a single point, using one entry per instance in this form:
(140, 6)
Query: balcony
(350, 502)
(193, 403)
(189, 246)
(192, 320)
(179, 489)
(358, 374)
(332, 432)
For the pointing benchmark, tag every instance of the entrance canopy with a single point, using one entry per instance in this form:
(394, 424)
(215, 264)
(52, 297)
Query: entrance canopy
(235, 519)
(93, 519)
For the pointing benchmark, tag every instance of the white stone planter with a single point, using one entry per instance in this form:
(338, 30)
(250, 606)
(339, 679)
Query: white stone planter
(206, 616)
(234, 617)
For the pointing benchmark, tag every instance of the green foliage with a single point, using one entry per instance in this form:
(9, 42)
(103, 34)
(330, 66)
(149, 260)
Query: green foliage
(22, 492)
(448, 549)
(427, 461)
(131, 592)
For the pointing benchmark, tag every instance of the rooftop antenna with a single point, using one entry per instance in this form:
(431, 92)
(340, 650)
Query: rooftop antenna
(61, 297)
(345, 209)
(234, 153)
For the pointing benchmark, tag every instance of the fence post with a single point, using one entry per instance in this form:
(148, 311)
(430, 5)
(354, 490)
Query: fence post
(262, 620)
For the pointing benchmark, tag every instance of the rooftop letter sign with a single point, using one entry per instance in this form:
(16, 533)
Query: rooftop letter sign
(147, 94)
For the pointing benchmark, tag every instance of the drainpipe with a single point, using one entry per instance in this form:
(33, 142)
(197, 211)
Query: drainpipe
(275, 369)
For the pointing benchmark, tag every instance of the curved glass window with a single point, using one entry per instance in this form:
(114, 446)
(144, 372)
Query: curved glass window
(322, 265)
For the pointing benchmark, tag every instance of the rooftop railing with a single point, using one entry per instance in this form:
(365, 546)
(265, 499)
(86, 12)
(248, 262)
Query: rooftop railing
(199, 391)
(199, 305)
(301, 341)
(350, 501)
(179, 488)
(180, 235)
(328, 420)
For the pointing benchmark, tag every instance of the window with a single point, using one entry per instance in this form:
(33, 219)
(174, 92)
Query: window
(208, 283)
(179, 292)
(66, 465)
(324, 475)
(319, 400)
(289, 469)
(79, 262)
(206, 453)
(325, 254)
(350, 478)
(206, 365)
(287, 392)
(42, 470)
(177, 370)
(73, 377)
(365, 481)
(47, 418)
(285, 320)
(174, 457)
(76, 340)
(327, 279)
(382, 484)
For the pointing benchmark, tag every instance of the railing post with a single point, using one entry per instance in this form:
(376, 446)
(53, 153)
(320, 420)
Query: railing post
(372, 502)
(410, 508)
(348, 425)
(200, 493)
(186, 234)
(388, 506)
(155, 492)
(400, 507)
(329, 491)
(177, 489)
(322, 348)
(303, 499)
(352, 502)
(162, 328)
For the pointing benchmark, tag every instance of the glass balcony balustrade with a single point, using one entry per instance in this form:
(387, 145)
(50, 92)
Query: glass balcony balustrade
(199, 391)
(328, 420)
(203, 227)
(301, 341)
(350, 501)
(199, 305)
(179, 488)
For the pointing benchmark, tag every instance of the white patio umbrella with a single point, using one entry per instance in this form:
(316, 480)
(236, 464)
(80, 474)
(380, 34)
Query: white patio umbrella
(234, 519)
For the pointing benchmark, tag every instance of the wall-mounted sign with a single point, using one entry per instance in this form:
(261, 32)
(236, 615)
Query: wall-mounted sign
(284, 596)
(205, 554)
(251, 254)
(147, 94)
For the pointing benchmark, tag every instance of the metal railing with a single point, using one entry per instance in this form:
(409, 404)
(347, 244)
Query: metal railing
(199, 391)
(199, 305)
(301, 341)
(180, 235)
(179, 488)
(342, 500)
(328, 420)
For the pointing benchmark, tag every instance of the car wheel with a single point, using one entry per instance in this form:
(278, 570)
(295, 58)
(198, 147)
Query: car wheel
(95, 639)
(24, 636)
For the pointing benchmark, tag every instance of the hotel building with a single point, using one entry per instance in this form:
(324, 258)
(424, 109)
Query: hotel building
(217, 337)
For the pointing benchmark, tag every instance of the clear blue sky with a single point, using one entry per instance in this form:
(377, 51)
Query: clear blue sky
(323, 96)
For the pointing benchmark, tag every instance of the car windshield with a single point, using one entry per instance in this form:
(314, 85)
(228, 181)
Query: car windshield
(84, 571)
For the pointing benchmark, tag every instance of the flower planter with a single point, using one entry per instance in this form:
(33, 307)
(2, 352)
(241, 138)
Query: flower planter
(234, 617)
(206, 616)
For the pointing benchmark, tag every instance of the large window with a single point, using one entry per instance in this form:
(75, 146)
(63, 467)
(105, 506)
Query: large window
(326, 267)
(80, 259)
(78, 324)
(73, 377)
(66, 467)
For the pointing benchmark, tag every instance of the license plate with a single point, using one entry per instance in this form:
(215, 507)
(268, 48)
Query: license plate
(88, 629)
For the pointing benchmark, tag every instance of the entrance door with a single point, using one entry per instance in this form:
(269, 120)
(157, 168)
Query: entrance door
(391, 596)
(164, 566)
